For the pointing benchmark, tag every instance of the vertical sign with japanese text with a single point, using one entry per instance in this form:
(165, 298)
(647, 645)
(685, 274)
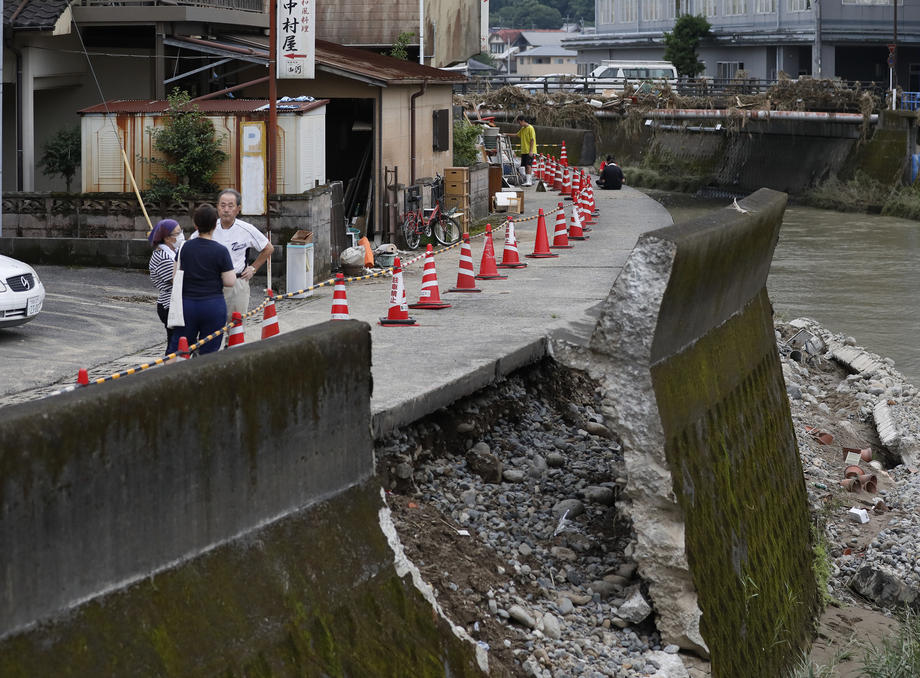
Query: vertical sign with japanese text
(296, 39)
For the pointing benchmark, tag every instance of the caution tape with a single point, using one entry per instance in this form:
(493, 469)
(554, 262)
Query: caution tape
(289, 295)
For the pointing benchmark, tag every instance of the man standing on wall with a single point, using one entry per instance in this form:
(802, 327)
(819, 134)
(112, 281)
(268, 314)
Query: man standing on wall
(238, 236)
(528, 138)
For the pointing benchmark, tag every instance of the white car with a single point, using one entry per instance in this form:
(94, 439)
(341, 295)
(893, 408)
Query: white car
(21, 292)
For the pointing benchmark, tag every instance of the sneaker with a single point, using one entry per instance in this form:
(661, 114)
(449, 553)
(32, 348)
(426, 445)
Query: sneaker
(527, 183)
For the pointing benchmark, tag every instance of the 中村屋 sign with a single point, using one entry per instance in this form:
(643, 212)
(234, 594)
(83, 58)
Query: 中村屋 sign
(296, 38)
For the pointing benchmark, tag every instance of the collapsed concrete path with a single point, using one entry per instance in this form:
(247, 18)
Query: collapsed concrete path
(453, 352)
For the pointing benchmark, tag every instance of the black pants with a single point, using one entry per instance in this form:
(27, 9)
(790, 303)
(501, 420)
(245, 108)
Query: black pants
(172, 338)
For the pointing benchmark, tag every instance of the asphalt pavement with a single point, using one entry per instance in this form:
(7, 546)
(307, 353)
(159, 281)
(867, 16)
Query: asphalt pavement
(105, 320)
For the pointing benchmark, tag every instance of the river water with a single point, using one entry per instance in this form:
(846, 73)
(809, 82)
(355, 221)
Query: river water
(857, 274)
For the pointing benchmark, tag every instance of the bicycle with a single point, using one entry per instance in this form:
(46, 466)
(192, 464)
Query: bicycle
(431, 221)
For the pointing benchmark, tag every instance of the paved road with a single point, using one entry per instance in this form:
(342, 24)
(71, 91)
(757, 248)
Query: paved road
(105, 320)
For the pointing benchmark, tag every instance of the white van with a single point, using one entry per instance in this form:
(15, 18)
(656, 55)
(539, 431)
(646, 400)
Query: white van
(615, 75)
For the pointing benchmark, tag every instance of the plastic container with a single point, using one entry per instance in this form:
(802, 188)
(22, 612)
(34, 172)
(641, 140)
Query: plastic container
(299, 268)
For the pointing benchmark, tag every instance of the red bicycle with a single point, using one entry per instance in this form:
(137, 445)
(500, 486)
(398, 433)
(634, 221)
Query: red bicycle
(444, 226)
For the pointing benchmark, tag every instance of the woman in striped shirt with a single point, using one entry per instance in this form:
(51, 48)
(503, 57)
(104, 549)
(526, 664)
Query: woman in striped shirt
(166, 239)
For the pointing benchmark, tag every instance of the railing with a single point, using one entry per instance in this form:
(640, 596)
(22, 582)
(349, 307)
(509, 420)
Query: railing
(243, 5)
(588, 85)
(910, 101)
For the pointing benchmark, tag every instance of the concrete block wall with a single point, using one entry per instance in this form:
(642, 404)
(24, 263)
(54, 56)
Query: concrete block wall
(106, 485)
(686, 352)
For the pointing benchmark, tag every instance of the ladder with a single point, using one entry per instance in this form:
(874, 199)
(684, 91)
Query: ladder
(506, 159)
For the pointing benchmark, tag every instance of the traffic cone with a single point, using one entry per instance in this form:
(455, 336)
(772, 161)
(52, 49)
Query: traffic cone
(182, 348)
(237, 335)
(560, 233)
(270, 318)
(576, 185)
(563, 156)
(510, 252)
(487, 268)
(339, 299)
(430, 296)
(593, 206)
(585, 211)
(557, 176)
(466, 281)
(398, 312)
(541, 244)
(541, 167)
(575, 231)
(82, 377)
(567, 183)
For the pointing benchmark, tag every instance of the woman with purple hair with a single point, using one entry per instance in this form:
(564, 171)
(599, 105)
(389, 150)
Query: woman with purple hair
(166, 238)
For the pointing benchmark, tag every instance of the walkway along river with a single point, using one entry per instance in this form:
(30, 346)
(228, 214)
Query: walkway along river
(854, 273)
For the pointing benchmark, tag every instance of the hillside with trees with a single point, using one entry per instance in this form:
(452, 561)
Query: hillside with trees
(531, 14)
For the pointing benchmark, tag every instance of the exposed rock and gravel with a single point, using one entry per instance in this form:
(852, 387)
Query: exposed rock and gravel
(507, 503)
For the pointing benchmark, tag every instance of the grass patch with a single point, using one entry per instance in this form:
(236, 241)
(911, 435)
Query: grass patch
(647, 177)
(899, 655)
(862, 193)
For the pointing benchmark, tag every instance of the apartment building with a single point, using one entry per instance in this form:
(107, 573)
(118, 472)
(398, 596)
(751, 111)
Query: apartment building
(848, 39)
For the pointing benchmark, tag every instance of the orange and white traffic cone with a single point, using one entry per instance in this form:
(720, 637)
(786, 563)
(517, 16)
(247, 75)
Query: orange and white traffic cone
(576, 185)
(398, 312)
(567, 183)
(339, 299)
(466, 280)
(182, 348)
(585, 212)
(560, 233)
(270, 318)
(575, 230)
(541, 169)
(593, 205)
(510, 257)
(541, 244)
(557, 176)
(430, 296)
(487, 268)
(564, 157)
(237, 335)
(82, 377)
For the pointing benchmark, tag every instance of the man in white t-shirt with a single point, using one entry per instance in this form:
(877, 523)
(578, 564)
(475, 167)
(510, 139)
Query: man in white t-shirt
(237, 236)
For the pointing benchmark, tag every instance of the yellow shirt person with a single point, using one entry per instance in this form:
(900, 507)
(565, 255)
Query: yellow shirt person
(528, 138)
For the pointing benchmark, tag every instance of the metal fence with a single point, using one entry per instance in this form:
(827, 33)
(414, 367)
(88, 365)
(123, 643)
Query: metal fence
(910, 101)
(699, 87)
(244, 5)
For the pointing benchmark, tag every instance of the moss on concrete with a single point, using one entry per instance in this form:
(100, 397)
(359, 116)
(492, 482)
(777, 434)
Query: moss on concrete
(738, 479)
(312, 595)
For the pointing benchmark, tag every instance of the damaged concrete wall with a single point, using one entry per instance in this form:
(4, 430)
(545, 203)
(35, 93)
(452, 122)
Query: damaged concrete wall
(182, 523)
(686, 352)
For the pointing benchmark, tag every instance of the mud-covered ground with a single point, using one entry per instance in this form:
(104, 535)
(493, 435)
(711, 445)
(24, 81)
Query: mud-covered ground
(506, 503)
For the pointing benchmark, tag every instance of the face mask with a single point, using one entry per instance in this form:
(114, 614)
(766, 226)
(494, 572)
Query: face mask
(180, 239)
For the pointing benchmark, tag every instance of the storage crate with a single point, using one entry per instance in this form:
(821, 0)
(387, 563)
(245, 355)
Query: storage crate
(456, 187)
(462, 203)
(457, 174)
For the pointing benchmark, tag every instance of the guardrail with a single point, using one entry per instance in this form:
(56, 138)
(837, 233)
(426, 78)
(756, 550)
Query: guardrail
(586, 84)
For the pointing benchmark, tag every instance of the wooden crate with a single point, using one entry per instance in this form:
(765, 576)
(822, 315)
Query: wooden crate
(457, 174)
(462, 203)
(456, 188)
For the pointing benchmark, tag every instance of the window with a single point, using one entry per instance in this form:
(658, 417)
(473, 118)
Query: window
(765, 7)
(675, 8)
(709, 7)
(799, 5)
(726, 70)
(734, 7)
(628, 12)
(871, 2)
(651, 10)
(604, 12)
(560, 60)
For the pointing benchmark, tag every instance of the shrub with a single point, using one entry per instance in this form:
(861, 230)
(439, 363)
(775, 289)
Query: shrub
(61, 155)
(465, 136)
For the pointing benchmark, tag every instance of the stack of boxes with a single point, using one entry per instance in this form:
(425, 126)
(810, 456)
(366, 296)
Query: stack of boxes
(457, 193)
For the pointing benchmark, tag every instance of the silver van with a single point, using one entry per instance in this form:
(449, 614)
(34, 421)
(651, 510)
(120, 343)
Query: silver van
(615, 75)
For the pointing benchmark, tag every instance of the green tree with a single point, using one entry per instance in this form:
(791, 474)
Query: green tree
(399, 50)
(61, 155)
(484, 58)
(465, 136)
(190, 150)
(682, 42)
(529, 14)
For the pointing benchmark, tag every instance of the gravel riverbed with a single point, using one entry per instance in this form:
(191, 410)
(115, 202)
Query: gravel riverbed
(506, 503)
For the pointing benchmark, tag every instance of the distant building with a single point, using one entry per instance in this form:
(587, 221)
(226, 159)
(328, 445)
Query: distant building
(511, 49)
(547, 59)
(831, 38)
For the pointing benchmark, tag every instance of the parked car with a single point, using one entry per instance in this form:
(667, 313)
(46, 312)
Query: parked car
(614, 76)
(21, 292)
(553, 82)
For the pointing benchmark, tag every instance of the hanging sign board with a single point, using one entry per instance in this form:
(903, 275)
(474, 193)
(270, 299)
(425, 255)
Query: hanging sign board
(252, 167)
(296, 39)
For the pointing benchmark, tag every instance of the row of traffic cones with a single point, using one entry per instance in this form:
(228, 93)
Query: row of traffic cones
(430, 298)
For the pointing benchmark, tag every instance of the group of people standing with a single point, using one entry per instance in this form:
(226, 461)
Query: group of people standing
(215, 273)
